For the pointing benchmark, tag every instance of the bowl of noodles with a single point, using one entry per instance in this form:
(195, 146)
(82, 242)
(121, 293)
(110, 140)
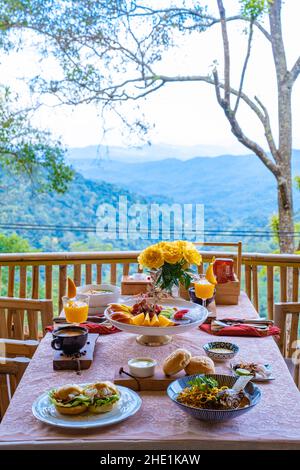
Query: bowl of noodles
(211, 398)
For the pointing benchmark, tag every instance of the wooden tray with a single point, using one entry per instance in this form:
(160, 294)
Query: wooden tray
(159, 381)
(63, 362)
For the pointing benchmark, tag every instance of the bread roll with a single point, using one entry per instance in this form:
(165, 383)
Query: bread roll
(176, 361)
(200, 365)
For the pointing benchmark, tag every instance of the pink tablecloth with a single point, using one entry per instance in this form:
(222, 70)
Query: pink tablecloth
(274, 423)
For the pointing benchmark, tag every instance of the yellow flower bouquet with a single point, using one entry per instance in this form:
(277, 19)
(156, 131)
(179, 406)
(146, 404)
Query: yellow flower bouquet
(170, 262)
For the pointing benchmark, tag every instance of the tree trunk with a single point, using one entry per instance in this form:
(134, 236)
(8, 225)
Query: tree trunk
(285, 213)
(283, 155)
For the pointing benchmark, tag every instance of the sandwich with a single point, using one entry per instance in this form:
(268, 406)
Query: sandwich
(102, 395)
(69, 400)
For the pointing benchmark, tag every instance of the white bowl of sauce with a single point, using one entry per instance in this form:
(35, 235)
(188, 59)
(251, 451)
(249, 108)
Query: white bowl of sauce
(220, 350)
(142, 366)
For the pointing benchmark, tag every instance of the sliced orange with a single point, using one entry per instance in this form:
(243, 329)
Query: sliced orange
(163, 321)
(138, 320)
(147, 320)
(71, 290)
(154, 321)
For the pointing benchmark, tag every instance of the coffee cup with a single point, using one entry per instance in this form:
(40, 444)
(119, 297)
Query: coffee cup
(69, 339)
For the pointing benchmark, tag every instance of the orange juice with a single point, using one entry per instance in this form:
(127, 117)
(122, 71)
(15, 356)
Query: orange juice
(76, 311)
(204, 289)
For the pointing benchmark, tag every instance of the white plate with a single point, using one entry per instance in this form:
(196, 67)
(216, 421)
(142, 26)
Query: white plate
(169, 330)
(257, 378)
(127, 406)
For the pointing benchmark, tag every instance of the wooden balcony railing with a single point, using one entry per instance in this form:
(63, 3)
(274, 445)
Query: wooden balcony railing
(265, 277)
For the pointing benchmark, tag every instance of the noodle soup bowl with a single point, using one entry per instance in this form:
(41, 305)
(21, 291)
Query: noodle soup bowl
(253, 394)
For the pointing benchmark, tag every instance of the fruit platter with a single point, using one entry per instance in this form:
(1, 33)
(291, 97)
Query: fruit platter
(155, 323)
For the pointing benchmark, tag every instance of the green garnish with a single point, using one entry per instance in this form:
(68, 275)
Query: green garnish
(203, 383)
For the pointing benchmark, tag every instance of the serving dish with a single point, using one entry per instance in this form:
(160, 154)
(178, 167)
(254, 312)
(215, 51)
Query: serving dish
(128, 405)
(155, 336)
(102, 298)
(256, 376)
(214, 350)
(214, 415)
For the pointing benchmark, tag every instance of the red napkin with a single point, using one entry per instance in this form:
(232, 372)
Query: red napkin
(94, 328)
(241, 330)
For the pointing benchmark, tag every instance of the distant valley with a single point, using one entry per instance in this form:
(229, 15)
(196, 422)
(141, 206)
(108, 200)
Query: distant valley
(231, 187)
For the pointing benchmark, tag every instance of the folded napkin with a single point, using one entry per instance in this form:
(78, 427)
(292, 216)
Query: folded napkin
(240, 330)
(98, 328)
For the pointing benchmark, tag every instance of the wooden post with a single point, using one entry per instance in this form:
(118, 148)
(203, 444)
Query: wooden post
(62, 285)
(88, 274)
(48, 282)
(295, 284)
(113, 273)
(270, 290)
(255, 288)
(77, 274)
(248, 280)
(283, 283)
(99, 273)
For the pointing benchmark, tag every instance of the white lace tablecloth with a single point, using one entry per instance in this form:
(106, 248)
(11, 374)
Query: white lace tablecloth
(273, 424)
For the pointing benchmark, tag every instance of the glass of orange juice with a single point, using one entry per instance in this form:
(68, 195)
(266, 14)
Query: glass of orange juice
(203, 289)
(76, 309)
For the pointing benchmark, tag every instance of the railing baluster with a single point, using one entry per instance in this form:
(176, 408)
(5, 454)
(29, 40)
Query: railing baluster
(22, 294)
(88, 274)
(77, 274)
(126, 267)
(48, 282)
(255, 288)
(31, 315)
(11, 281)
(113, 273)
(270, 290)
(99, 273)
(248, 280)
(295, 284)
(283, 283)
(62, 285)
(10, 293)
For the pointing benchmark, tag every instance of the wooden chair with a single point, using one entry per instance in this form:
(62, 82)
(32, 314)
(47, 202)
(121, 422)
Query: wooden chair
(14, 323)
(287, 318)
(15, 356)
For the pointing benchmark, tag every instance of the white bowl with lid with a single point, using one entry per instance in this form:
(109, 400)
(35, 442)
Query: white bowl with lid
(142, 366)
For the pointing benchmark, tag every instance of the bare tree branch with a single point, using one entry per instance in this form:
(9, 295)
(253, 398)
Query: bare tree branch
(295, 70)
(226, 51)
(268, 131)
(244, 67)
(239, 134)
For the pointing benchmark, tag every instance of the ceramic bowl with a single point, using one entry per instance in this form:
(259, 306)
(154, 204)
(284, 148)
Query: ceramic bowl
(232, 348)
(103, 298)
(253, 393)
(138, 370)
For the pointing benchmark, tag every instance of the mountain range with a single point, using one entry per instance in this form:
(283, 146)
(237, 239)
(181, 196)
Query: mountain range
(234, 189)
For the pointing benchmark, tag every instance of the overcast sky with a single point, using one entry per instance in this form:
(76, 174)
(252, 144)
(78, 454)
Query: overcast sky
(184, 114)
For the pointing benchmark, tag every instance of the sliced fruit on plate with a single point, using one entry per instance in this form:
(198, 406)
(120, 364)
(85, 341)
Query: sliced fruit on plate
(147, 321)
(138, 320)
(122, 317)
(163, 321)
(154, 320)
(71, 289)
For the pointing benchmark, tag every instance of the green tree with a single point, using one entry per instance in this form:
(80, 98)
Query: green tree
(14, 244)
(29, 152)
(110, 54)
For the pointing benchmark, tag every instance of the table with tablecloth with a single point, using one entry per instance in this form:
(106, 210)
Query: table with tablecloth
(273, 424)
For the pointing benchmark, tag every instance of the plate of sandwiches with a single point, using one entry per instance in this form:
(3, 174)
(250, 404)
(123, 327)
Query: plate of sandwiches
(85, 406)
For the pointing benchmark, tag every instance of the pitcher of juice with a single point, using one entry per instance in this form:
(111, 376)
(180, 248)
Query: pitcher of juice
(203, 289)
(76, 309)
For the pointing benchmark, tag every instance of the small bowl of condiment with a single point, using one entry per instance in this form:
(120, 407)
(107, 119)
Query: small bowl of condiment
(220, 350)
(142, 366)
